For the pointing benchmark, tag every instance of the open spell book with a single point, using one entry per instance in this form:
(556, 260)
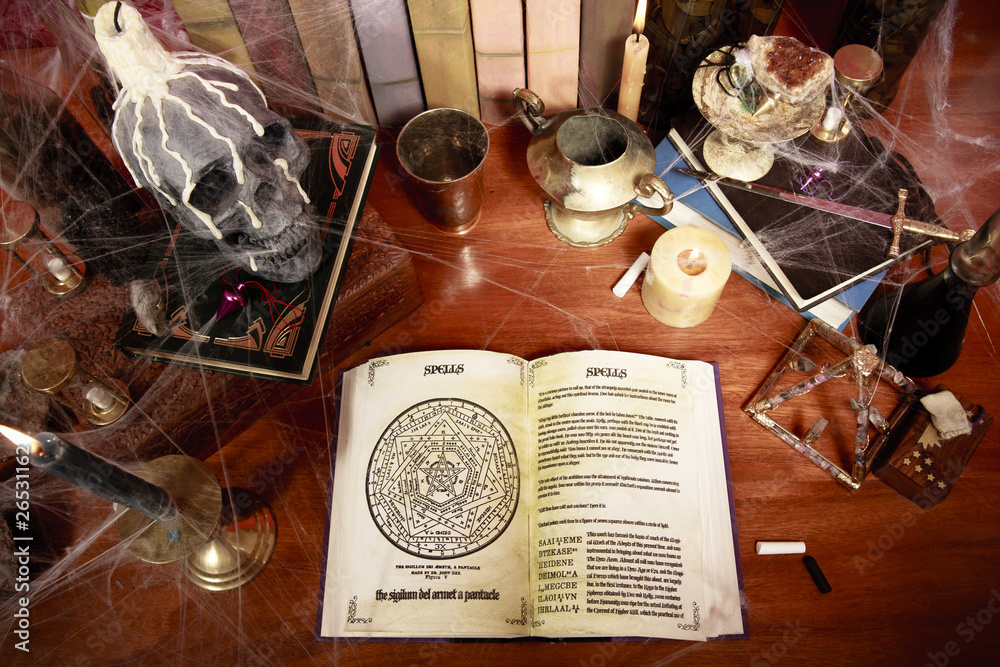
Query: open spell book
(585, 494)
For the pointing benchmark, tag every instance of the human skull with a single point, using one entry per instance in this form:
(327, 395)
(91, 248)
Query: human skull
(197, 133)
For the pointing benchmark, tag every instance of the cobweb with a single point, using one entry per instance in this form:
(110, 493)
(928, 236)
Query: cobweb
(935, 157)
(77, 563)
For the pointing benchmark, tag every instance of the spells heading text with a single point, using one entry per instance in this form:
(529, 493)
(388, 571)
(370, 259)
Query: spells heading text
(593, 372)
(444, 369)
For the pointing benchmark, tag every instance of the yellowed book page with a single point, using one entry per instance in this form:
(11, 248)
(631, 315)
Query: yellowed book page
(617, 525)
(429, 520)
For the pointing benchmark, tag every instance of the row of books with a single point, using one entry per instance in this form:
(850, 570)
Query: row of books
(383, 61)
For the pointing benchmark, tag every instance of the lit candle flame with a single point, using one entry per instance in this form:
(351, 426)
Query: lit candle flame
(692, 262)
(20, 439)
(640, 18)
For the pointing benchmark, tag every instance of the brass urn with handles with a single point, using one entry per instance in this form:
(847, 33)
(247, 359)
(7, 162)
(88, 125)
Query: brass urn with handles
(592, 163)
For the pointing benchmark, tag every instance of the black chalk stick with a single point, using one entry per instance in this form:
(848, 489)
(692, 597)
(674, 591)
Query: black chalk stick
(817, 574)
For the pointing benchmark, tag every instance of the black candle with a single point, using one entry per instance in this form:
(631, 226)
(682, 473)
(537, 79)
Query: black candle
(79, 467)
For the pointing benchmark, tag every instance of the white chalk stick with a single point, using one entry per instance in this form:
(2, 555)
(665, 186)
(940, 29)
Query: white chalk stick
(629, 278)
(773, 548)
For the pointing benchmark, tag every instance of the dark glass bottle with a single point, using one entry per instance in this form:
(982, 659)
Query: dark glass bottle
(920, 328)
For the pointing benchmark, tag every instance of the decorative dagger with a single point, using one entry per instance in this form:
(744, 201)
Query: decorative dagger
(897, 222)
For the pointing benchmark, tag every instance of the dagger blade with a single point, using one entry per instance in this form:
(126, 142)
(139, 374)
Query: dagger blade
(845, 210)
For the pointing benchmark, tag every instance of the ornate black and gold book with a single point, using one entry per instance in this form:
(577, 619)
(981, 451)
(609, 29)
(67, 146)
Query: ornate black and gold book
(224, 318)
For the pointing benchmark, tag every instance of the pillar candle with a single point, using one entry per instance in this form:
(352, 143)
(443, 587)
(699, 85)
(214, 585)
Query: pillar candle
(688, 268)
(634, 66)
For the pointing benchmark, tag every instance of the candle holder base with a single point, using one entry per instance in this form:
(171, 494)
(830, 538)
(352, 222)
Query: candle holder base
(74, 283)
(241, 546)
(225, 539)
(195, 491)
(585, 229)
(742, 160)
(120, 397)
(825, 137)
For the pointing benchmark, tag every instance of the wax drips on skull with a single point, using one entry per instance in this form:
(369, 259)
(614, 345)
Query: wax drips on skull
(196, 131)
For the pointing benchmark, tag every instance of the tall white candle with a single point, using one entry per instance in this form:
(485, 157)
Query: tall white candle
(634, 66)
(688, 268)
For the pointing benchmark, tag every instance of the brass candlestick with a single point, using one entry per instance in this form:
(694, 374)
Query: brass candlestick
(857, 68)
(171, 509)
(224, 538)
(61, 275)
(52, 367)
(241, 546)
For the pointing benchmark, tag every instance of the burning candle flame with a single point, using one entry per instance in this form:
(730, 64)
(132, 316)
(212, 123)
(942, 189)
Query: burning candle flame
(640, 18)
(20, 439)
(692, 262)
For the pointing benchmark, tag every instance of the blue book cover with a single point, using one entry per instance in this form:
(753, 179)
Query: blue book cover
(813, 258)
(695, 205)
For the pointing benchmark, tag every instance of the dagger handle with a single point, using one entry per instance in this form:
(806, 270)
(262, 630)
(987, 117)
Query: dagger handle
(901, 224)
(927, 229)
(898, 223)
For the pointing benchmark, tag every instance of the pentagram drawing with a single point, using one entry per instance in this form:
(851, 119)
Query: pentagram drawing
(443, 480)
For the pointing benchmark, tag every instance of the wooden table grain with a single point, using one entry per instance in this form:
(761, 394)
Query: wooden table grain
(910, 586)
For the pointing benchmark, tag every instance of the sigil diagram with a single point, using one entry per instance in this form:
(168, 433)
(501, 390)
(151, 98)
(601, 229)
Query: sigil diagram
(443, 479)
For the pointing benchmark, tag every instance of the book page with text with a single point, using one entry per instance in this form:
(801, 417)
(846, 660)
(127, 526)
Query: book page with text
(428, 533)
(616, 520)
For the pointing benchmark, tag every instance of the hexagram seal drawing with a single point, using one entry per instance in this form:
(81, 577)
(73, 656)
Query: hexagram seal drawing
(443, 480)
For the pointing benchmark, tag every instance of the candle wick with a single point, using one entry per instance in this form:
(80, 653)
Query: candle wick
(118, 8)
(692, 262)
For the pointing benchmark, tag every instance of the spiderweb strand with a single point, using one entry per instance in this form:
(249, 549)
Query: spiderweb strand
(86, 568)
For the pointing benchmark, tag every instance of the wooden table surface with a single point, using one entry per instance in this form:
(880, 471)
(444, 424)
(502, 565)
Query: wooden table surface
(910, 586)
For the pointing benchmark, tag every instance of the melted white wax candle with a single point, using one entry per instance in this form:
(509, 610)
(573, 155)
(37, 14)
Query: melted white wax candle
(58, 268)
(100, 398)
(634, 66)
(145, 70)
(688, 268)
(633, 75)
